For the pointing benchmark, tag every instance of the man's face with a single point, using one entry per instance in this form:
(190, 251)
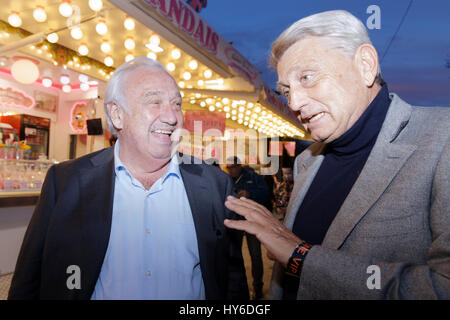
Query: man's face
(154, 102)
(323, 86)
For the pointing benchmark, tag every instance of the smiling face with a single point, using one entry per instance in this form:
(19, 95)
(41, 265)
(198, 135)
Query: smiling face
(147, 131)
(325, 88)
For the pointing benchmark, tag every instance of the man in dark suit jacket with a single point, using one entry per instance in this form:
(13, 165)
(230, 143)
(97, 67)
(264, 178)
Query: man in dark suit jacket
(77, 245)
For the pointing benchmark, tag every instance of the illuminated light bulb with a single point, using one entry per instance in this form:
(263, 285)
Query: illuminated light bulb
(154, 47)
(14, 19)
(129, 43)
(170, 66)
(200, 83)
(211, 108)
(105, 47)
(65, 9)
(240, 115)
(220, 82)
(47, 82)
(257, 109)
(66, 88)
(241, 109)
(233, 118)
(83, 78)
(154, 39)
(198, 95)
(227, 115)
(207, 74)
(152, 55)
(186, 76)
(76, 33)
(226, 109)
(233, 111)
(84, 86)
(39, 14)
(202, 104)
(129, 57)
(250, 125)
(250, 105)
(52, 37)
(240, 121)
(181, 84)
(176, 54)
(95, 5)
(129, 24)
(101, 27)
(64, 79)
(218, 104)
(193, 65)
(226, 101)
(209, 101)
(108, 61)
(264, 112)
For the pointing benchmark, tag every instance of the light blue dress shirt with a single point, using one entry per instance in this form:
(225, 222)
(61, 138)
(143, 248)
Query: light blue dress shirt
(152, 251)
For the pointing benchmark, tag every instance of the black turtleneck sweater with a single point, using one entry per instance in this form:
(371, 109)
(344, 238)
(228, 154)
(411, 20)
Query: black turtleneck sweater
(344, 159)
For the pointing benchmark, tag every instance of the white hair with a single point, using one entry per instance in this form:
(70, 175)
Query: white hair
(341, 29)
(115, 90)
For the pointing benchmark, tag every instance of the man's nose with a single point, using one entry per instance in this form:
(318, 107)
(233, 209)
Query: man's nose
(298, 98)
(168, 114)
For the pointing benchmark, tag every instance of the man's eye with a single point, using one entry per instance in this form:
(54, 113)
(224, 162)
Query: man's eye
(306, 77)
(286, 93)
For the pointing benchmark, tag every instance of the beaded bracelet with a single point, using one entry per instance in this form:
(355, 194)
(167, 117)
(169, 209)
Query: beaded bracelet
(296, 259)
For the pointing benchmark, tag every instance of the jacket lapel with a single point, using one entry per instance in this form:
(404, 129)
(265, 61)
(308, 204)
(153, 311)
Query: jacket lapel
(384, 162)
(205, 222)
(96, 196)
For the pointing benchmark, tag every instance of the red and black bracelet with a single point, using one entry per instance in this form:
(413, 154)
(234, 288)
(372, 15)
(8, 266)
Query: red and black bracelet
(296, 259)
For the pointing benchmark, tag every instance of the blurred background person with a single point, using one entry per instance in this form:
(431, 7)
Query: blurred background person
(248, 184)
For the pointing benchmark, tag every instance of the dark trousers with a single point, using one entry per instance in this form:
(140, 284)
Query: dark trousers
(254, 248)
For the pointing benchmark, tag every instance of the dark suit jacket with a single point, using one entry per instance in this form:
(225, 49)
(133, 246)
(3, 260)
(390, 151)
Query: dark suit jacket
(72, 222)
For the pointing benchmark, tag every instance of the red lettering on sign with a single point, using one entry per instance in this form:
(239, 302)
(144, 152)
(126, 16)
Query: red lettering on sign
(214, 41)
(198, 35)
(175, 11)
(188, 21)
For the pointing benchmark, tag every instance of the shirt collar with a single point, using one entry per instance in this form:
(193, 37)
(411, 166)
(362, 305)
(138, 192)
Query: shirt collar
(172, 169)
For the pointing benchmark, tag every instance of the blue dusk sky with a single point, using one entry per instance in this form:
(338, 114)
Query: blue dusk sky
(414, 66)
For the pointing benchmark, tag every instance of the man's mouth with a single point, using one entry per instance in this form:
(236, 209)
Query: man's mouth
(163, 131)
(315, 117)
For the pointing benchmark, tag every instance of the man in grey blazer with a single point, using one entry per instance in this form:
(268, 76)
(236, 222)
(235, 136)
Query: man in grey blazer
(369, 216)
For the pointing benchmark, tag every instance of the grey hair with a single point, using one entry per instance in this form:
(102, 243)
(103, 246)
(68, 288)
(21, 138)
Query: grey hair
(115, 90)
(341, 29)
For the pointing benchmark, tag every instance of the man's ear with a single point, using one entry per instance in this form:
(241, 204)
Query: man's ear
(116, 114)
(366, 58)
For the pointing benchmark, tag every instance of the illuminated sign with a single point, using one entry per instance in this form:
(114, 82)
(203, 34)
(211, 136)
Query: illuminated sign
(13, 97)
(78, 117)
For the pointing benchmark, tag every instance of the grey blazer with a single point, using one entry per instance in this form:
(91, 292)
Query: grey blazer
(396, 216)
